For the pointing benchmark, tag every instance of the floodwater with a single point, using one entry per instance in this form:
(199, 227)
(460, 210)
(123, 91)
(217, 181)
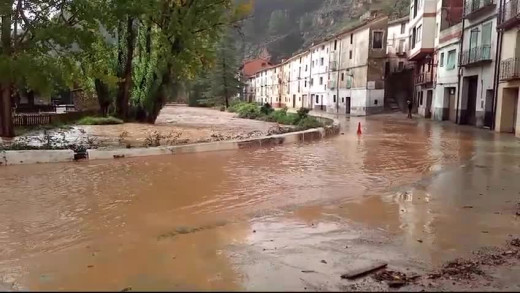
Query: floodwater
(292, 217)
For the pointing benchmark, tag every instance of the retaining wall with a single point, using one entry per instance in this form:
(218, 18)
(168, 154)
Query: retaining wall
(51, 156)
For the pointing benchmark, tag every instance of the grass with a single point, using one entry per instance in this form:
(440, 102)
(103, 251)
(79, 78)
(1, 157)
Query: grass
(91, 120)
(301, 119)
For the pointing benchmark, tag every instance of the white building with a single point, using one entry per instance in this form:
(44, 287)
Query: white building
(447, 46)
(478, 62)
(357, 60)
(319, 75)
(397, 45)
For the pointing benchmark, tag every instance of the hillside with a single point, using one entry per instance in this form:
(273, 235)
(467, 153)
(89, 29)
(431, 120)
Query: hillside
(286, 26)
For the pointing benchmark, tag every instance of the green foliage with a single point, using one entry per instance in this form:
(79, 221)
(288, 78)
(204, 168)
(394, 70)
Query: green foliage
(252, 111)
(303, 113)
(266, 109)
(89, 120)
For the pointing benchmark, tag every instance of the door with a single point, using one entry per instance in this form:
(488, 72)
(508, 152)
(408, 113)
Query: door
(473, 42)
(452, 102)
(471, 109)
(347, 105)
(488, 114)
(428, 109)
(294, 101)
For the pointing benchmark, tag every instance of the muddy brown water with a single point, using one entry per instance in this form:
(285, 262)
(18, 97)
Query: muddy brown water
(292, 217)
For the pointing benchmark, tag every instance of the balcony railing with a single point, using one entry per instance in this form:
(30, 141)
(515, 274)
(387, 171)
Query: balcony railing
(332, 84)
(476, 55)
(510, 14)
(510, 69)
(424, 77)
(474, 6)
(333, 65)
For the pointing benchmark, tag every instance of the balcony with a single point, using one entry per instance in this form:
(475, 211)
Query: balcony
(510, 69)
(509, 14)
(476, 56)
(332, 84)
(333, 65)
(424, 78)
(475, 8)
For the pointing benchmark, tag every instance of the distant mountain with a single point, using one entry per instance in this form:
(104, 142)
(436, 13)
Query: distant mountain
(286, 26)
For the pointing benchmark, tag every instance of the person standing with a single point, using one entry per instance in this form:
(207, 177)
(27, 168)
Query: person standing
(410, 107)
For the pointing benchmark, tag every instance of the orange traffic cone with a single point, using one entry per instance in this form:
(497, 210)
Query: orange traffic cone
(359, 129)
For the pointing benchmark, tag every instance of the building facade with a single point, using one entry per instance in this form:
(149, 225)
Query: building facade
(447, 47)
(478, 63)
(508, 101)
(319, 76)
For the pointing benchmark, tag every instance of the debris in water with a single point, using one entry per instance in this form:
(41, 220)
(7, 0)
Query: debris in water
(515, 242)
(419, 240)
(323, 261)
(90, 266)
(364, 271)
(467, 207)
(308, 271)
(127, 289)
(394, 279)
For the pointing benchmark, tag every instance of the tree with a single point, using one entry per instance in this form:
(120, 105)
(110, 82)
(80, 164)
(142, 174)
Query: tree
(41, 42)
(224, 79)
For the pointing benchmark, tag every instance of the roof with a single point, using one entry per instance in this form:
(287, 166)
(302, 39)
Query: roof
(251, 67)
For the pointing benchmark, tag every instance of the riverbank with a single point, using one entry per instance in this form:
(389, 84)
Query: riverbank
(179, 129)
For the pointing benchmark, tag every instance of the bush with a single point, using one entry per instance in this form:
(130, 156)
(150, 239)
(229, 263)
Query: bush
(303, 113)
(90, 120)
(308, 123)
(282, 117)
(266, 109)
(249, 111)
(236, 106)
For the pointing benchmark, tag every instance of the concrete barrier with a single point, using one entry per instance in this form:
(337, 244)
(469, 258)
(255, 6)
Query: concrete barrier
(35, 157)
(50, 156)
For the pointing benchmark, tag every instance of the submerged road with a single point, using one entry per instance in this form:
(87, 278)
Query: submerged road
(292, 217)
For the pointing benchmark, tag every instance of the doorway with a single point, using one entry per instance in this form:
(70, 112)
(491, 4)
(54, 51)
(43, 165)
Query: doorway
(294, 101)
(470, 100)
(452, 112)
(509, 114)
(428, 108)
(347, 105)
(488, 115)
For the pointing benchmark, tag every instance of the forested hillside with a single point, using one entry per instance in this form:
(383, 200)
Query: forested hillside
(285, 26)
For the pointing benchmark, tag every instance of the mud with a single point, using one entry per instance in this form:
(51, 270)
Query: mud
(291, 217)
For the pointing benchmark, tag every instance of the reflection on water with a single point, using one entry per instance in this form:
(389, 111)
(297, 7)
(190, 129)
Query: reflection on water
(96, 225)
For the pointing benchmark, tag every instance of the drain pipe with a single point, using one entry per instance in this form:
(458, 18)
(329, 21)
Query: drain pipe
(459, 69)
(498, 56)
(338, 70)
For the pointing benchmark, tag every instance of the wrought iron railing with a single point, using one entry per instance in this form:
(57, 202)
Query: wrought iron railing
(476, 54)
(510, 69)
(510, 12)
(424, 77)
(473, 6)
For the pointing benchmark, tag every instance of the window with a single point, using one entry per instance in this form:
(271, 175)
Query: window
(350, 54)
(306, 68)
(317, 99)
(349, 83)
(300, 60)
(401, 48)
(375, 102)
(377, 40)
(335, 45)
(323, 47)
(343, 100)
(418, 34)
(413, 37)
(351, 39)
(486, 40)
(334, 98)
(441, 60)
(305, 84)
(400, 66)
(342, 76)
(403, 27)
(321, 80)
(322, 61)
(451, 62)
(312, 81)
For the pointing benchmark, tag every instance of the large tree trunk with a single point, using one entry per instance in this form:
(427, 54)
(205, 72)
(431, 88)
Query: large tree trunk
(123, 96)
(103, 96)
(6, 119)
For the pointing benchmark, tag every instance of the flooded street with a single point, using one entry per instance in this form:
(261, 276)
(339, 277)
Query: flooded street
(292, 217)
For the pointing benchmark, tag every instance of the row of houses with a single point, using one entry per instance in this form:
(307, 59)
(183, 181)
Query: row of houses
(458, 59)
(341, 74)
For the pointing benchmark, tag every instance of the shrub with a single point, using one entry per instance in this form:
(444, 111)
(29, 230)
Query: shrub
(282, 117)
(90, 120)
(303, 113)
(266, 109)
(308, 123)
(236, 106)
(250, 111)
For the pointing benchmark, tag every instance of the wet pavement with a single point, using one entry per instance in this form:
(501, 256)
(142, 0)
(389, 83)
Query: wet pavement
(414, 194)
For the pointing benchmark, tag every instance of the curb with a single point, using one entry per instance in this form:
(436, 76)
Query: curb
(55, 156)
